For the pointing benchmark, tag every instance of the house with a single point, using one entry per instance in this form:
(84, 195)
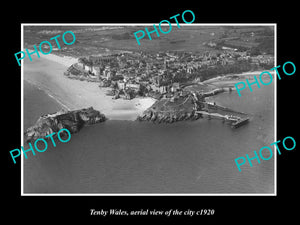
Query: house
(88, 68)
(121, 85)
(156, 80)
(175, 87)
(161, 89)
(80, 65)
(96, 70)
(85, 64)
(211, 44)
(107, 73)
(136, 87)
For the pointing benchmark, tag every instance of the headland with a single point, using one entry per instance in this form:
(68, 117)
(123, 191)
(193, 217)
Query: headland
(191, 105)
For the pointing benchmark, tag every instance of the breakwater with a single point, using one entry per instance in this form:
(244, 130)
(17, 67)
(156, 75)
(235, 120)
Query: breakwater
(191, 106)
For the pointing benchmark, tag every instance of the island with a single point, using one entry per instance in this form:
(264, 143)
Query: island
(71, 120)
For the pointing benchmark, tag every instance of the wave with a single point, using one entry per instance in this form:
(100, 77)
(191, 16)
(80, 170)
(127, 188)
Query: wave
(50, 94)
(58, 101)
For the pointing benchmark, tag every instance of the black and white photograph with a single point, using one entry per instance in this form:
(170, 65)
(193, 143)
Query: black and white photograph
(169, 114)
(159, 116)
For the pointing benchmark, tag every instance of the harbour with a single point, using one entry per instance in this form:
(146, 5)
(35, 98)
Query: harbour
(177, 155)
(133, 157)
(236, 119)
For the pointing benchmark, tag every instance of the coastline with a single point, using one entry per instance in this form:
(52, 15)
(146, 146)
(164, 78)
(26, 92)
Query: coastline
(63, 60)
(219, 81)
(46, 73)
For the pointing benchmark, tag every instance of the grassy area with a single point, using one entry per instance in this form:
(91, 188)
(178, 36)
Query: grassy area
(93, 40)
(96, 40)
(182, 104)
(199, 88)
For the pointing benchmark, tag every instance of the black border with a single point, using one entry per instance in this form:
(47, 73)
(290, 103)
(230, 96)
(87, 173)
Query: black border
(235, 209)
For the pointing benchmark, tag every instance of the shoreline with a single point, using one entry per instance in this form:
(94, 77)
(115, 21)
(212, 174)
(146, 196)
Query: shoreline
(63, 60)
(243, 74)
(219, 81)
(48, 94)
(46, 73)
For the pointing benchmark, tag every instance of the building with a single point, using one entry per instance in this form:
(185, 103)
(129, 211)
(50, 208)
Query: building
(85, 64)
(135, 87)
(161, 89)
(96, 70)
(89, 68)
(101, 60)
(121, 85)
(175, 87)
(189, 69)
(80, 65)
(107, 73)
(156, 80)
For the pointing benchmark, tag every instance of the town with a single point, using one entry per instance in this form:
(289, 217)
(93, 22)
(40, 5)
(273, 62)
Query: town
(131, 74)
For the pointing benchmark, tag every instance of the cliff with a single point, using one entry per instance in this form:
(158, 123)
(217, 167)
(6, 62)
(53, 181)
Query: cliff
(167, 117)
(191, 106)
(177, 108)
(71, 120)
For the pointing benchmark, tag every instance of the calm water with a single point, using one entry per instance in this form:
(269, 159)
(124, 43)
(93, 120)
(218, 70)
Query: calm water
(132, 157)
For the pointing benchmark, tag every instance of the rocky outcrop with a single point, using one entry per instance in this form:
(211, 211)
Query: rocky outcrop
(71, 120)
(167, 117)
(178, 107)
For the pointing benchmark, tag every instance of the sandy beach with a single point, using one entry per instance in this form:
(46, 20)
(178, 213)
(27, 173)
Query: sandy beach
(223, 81)
(46, 73)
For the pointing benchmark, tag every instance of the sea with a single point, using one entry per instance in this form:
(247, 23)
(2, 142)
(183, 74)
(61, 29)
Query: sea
(130, 157)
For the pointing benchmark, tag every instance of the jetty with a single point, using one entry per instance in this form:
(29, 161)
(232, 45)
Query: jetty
(240, 122)
(234, 120)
